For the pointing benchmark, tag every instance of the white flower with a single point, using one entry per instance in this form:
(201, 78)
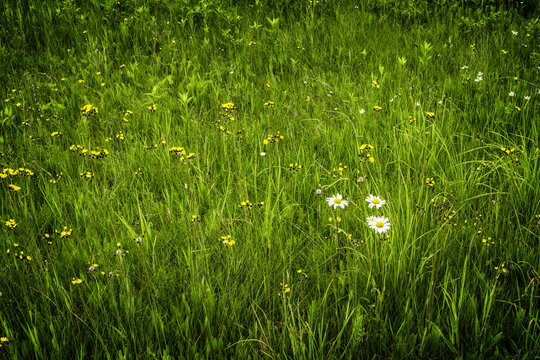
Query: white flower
(375, 201)
(527, 97)
(362, 111)
(417, 103)
(464, 67)
(361, 179)
(185, 185)
(262, 154)
(138, 239)
(337, 201)
(515, 77)
(379, 224)
(511, 93)
(318, 191)
(439, 102)
(514, 32)
(232, 72)
(391, 100)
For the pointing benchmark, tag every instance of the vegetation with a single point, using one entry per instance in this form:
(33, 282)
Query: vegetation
(285, 180)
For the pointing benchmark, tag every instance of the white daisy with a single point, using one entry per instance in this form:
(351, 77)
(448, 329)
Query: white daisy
(379, 224)
(337, 201)
(375, 201)
(362, 111)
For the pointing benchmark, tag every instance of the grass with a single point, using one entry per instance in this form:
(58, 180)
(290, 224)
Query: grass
(121, 254)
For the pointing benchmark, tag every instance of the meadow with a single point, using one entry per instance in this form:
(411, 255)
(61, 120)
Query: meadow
(269, 180)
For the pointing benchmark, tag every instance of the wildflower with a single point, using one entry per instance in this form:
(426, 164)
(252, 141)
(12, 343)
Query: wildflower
(3, 341)
(337, 201)
(152, 108)
(430, 115)
(365, 153)
(76, 281)
(273, 138)
(89, 109)
(375, 201)
(87, 175)
(511, 93)
(318, 191)
(527, 98)
(262, 154)
(430, 182)
(488, 242)
(295, 167)
(285, 289)
(504, 51)
(11, 224)
(377, 108)
(64, 233)
(246, 205)
(138, 240)
(14, 187)
(379, 224)
(56, 134)
(119, 251)
(514, 32)
(269, 104)
(375, 84)
(226, 240)
(362, 111)
(302, 272)
(338, 173)
(92, 267)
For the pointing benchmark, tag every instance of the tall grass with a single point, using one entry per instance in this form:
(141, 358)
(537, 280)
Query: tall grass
(456, 159)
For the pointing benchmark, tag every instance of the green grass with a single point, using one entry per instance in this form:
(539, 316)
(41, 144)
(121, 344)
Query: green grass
(294, 285)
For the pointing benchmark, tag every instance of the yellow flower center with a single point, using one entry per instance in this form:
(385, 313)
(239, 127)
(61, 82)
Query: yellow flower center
(379, 224)
(376, 201)
(337, 201)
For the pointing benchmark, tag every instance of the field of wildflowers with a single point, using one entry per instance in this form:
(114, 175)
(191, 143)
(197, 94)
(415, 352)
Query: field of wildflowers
(285, 180)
